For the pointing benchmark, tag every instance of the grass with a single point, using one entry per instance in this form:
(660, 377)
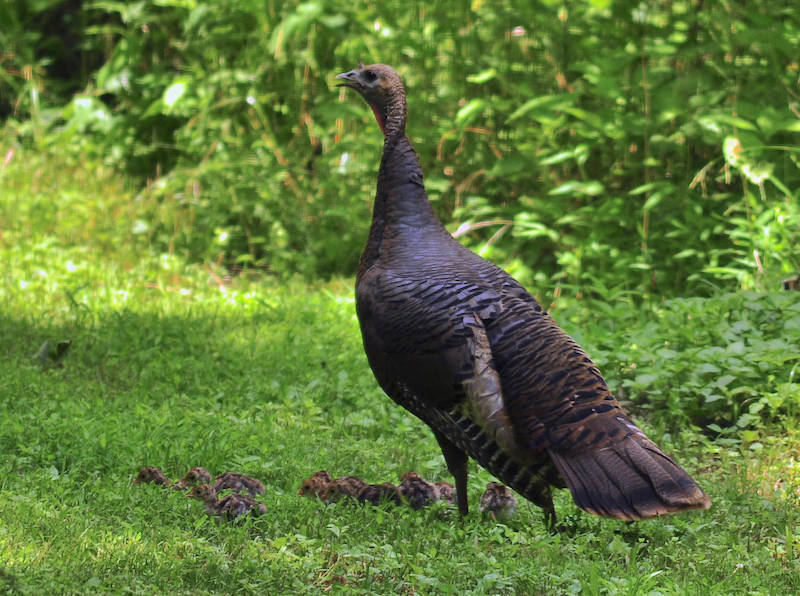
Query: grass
(175, 366)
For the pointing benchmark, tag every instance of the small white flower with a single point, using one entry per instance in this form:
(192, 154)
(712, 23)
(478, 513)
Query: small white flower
(343, 162)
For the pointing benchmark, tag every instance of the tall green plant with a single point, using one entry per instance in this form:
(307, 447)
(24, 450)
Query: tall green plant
(579, 143)
(615, 159)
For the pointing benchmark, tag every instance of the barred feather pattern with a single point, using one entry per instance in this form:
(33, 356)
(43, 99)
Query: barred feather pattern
(462, 345)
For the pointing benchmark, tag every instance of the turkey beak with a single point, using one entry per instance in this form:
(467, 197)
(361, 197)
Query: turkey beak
(349, 79)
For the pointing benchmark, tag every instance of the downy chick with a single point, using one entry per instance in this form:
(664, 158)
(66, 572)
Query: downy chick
(238, 483)
(153, 475)
(417, 491)
(316, 485)
(380, 493)
(195, 476)
(230, 507)
(344, 486)
(499, 501)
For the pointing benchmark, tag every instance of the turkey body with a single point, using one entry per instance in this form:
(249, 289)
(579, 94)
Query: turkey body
(459, 343)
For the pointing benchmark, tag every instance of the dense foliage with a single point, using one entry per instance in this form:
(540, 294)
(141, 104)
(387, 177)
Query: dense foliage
(601, 145)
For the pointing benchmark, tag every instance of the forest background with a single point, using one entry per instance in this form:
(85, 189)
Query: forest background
(598, 146)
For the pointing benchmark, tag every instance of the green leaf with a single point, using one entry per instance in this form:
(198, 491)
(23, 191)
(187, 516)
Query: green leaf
(509, 165)
(155, 107)
(559, 157)
(483, 76)
(544, 103)
(646, 188)
(791, 125)
(586, 116)
(707, 368)
(654, 199)
(333, 21)
(713, 122)
(646, 379)
(575, 187)
(725, 380)
(471, 111)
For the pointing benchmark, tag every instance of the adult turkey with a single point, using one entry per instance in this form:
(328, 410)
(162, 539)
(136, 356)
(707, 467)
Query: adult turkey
(459, 343)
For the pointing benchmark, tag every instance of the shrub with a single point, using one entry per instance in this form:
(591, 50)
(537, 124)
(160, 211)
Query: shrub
(598, 146)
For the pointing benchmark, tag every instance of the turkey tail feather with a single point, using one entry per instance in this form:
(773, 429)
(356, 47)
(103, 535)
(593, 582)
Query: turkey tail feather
(630, 480)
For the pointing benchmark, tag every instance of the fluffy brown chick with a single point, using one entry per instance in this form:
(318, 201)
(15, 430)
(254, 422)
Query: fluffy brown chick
(417, 491)
(238, 483)
(447, 492)
(195, 476)
(230, 507)
(376, 494)
(344, 486)
(315, 485)
(499, 501)
(153, 475)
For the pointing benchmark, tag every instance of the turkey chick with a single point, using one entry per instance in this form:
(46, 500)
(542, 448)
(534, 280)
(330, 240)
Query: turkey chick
(380, 493)
(499, 501)
(417, 491)
(344, 486)
(238, 483)
(230, 507)
(153, 475)
(195, 476)
(447, 492)
(315, 485)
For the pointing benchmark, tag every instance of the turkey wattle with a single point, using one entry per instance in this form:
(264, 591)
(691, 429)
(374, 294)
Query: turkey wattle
(459, 343)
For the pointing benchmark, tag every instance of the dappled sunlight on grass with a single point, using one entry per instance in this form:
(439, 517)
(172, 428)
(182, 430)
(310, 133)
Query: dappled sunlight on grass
(176, 364)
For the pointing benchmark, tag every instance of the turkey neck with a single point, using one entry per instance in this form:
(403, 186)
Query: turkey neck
(403, 220)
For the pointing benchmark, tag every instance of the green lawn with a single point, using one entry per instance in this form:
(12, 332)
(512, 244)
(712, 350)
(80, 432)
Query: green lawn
(173, 365)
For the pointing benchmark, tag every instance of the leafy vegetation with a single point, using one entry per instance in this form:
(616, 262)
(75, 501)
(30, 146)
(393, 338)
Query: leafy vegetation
(648, 147)
(173, 364)
(726, 363)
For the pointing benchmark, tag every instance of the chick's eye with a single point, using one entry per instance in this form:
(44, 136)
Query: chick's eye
(370, 76)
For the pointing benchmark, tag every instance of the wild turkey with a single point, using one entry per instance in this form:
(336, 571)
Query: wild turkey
(152, 475)
(447, 492)
(230, 506)
(377, 494)
(316, 485)
(344, 486)
(462, 345)
(197, 475)
(417, 491)
(238, 483)
(498, 501)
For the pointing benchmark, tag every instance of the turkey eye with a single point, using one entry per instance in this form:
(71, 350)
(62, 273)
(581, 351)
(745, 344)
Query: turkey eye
(370, 76)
